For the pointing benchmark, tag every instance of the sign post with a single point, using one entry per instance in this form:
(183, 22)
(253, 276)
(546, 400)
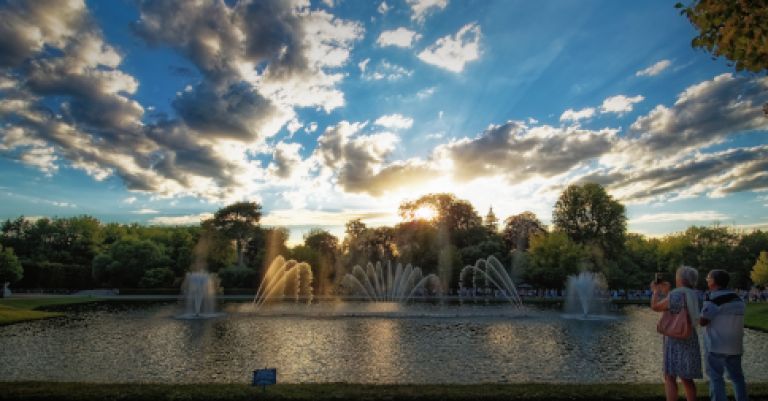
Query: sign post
(264, 377)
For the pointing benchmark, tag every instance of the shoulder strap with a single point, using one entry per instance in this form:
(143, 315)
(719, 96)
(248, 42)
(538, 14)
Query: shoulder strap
(724, 299)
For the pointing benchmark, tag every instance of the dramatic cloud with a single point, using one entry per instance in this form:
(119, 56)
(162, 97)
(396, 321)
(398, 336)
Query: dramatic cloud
(452, 52)
(714, 174)
(287, 160)
(573, 115)
(655, 69)
(519, 152)
(394, 121)
(421, 8)
(400, 37)
(64, 98)
(620, 104)
(704, 114)
(359, 162)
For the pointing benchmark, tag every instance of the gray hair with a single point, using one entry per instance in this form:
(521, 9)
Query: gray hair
(688, 275)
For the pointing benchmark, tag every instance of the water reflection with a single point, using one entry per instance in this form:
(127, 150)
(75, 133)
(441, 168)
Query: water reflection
(431, 344)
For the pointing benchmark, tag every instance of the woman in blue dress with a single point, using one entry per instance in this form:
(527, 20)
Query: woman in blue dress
(682, 358)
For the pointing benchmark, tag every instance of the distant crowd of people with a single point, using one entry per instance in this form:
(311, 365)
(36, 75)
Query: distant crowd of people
(753, 295)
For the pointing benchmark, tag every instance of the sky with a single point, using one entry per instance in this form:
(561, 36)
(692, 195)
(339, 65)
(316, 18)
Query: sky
(161, 112)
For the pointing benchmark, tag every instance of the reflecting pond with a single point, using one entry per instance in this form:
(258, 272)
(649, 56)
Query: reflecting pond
(358, 343)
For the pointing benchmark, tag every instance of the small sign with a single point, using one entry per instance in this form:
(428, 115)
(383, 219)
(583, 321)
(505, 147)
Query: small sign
(264, 377)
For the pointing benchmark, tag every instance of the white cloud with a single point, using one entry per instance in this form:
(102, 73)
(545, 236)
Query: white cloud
(394, 121)
(187, 220)
(63, 204)
(312, 127)
(294, 125)
(426, 92)
(421, 8)
(383, 8)
(130, 200)
(387, 71)
(620, 104)
(329, 3)
(400, 37)
(145, 211)
(700, 216)
(363, 64)
(453, 52)
(576, 115)
(655, 69)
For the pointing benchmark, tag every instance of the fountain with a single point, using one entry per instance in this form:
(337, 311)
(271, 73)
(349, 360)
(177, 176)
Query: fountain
(400, 285)
(586, 297)
(285, 278)
(199, 296)
(491, 274)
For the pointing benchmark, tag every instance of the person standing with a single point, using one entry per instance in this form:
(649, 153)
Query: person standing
(723, 320)
(682, 357)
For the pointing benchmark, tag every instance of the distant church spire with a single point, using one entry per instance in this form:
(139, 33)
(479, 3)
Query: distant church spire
(491, 221)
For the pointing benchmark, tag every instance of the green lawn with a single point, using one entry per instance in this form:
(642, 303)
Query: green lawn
(757, 317)
(233, 392)
(17, 310)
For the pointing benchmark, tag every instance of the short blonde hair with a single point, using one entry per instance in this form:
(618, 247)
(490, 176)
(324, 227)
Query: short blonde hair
(688, 275)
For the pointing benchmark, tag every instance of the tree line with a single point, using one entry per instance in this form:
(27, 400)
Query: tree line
(588, 233)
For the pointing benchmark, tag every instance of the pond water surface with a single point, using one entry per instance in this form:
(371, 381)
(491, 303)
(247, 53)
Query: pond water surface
(344, 343)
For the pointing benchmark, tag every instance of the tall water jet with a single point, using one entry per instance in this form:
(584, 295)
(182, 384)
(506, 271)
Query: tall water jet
(490, 273)
(586, 296)
(198, 291)
(285, 279)
(374, 283)
(199, 294)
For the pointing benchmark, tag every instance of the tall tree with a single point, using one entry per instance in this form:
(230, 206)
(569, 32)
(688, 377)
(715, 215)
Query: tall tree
(238, 221)
(520, 228)
(760, 270)
(326, 247)
(553, 257)
(10, 269)
(453, 213)
(591, 217)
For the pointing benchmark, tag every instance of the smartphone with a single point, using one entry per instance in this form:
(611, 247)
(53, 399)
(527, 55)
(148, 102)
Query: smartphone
(658, 278)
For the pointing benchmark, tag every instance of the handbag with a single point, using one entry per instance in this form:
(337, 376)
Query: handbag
(676, 325)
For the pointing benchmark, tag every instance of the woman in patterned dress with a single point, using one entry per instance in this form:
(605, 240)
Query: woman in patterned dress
(682, 358)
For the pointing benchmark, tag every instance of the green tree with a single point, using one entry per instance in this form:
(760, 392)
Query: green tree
(238, 221)
(519, 229)
(159, 277)
(10, 268)
(127, 261)
(455, 214)
(734, 29)
(326, 247)
(237, 277)
(760, 270)
(591, 217)
(553, 258)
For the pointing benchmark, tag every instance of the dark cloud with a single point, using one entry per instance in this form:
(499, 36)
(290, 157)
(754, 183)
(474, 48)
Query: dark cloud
(236, 112)
(704, 114)
(520, 152)
(64, 96)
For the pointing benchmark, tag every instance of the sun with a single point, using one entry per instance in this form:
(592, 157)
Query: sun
(425, 213)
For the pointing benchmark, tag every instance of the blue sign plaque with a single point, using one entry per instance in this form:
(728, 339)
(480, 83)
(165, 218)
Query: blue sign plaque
(264, 377)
